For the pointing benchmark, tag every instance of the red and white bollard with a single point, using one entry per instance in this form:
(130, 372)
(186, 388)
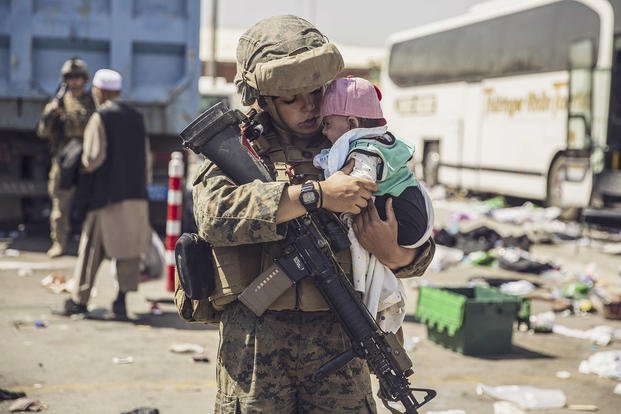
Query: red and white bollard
(173, 215)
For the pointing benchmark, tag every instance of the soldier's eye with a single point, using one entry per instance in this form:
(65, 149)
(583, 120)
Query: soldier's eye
(287, 99)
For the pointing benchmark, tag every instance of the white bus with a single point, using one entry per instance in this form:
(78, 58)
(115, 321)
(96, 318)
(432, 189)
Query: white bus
(519, 97)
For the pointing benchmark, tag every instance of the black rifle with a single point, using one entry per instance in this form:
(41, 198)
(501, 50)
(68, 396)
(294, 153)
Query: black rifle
(308, 251)
(57, 126)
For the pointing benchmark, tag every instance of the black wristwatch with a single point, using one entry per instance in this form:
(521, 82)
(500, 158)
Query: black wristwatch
(309, 197)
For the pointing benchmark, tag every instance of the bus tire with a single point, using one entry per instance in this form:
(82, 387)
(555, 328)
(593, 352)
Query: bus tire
(554, 193)
(431, 163)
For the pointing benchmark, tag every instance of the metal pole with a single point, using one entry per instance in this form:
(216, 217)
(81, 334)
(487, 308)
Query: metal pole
(173, 215)
(213, 63)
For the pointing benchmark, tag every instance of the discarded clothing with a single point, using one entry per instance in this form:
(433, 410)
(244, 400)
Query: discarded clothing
(10, 395)
(143, 410)
(27, 404)
(519, 260)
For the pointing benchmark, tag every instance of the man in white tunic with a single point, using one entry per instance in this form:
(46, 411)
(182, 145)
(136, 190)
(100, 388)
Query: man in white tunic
(117, 222)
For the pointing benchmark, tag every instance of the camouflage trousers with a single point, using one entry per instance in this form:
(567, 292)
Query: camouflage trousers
(265, 365)
(62, 200)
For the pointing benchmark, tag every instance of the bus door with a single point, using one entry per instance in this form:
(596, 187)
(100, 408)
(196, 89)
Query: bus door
(580, 114)
(471, 136)
(570, 178)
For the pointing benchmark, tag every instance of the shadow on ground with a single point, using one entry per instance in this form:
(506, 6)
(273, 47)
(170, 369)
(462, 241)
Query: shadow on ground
(166, 319)
(40, 243)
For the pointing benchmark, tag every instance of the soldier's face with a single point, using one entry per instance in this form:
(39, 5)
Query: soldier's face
(75, 83)
(300, 112)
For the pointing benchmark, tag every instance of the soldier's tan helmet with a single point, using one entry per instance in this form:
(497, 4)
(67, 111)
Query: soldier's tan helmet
(284, 55)
(74, 66)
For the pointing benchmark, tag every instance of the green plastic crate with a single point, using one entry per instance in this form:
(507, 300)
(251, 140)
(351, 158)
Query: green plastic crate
(473, 321)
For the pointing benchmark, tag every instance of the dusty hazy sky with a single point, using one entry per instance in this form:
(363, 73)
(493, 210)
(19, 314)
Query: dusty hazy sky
(356, 22)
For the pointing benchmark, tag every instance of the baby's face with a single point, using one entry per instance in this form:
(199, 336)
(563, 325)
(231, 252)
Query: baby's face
(334, 126)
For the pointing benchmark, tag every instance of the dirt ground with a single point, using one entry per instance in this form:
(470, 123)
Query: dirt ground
(68, 364)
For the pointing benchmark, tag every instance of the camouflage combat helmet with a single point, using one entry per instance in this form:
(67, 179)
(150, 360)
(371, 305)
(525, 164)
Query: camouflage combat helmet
(74, 66)
(284, 55)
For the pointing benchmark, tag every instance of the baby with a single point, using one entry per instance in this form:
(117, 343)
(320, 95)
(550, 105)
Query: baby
(354, 123)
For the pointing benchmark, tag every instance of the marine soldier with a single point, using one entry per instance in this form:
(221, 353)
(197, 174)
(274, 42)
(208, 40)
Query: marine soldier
(266, 363)
(62, 120)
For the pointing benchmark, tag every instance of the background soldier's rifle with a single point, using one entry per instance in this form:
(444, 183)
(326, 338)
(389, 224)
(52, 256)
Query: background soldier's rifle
(308, 251)
(57, 126)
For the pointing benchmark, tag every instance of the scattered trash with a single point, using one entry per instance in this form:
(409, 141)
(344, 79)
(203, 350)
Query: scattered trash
(444, 258)
(576, 290)
(29, 325)
(527, 212)
(617, 389)
(155, 310)
(605, 303)
(525, 396)
(517, 288)
(11, 253)
(481, 258)
(186, 348)
(605, 364)
(542, 322)
(143, 410)
(478, 239)
(601, 335)
(123, 360)
(200, 358)
(10, 395)
(519, 260)
(57, 282)
(563, 374)
(447, 412)
(154, 262)
(27, 404)
(505, 407)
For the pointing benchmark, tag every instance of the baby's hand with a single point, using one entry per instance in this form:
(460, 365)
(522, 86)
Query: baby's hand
(344, 193)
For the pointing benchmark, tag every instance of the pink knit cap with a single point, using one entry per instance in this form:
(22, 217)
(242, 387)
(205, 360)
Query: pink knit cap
(352, 96)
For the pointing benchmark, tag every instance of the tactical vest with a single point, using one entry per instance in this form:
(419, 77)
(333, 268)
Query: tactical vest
(237, 266)
(122, 175)
(75, 115)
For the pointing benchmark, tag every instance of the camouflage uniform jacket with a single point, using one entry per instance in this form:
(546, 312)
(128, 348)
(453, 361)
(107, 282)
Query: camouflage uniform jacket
(240, 224)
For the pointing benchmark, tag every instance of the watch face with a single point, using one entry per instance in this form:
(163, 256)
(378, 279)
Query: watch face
(309, 197)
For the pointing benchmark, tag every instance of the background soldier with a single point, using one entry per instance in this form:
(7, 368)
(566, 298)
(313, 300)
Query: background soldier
(62, 120)
(266, 363)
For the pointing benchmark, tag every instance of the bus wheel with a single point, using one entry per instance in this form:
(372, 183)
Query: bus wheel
(431, 163)
(554, 196)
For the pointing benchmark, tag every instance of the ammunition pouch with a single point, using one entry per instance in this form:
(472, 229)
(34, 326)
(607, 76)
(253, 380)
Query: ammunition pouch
(194, 280)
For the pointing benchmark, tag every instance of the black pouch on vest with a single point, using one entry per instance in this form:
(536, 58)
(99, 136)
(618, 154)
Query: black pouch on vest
(194, 266)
